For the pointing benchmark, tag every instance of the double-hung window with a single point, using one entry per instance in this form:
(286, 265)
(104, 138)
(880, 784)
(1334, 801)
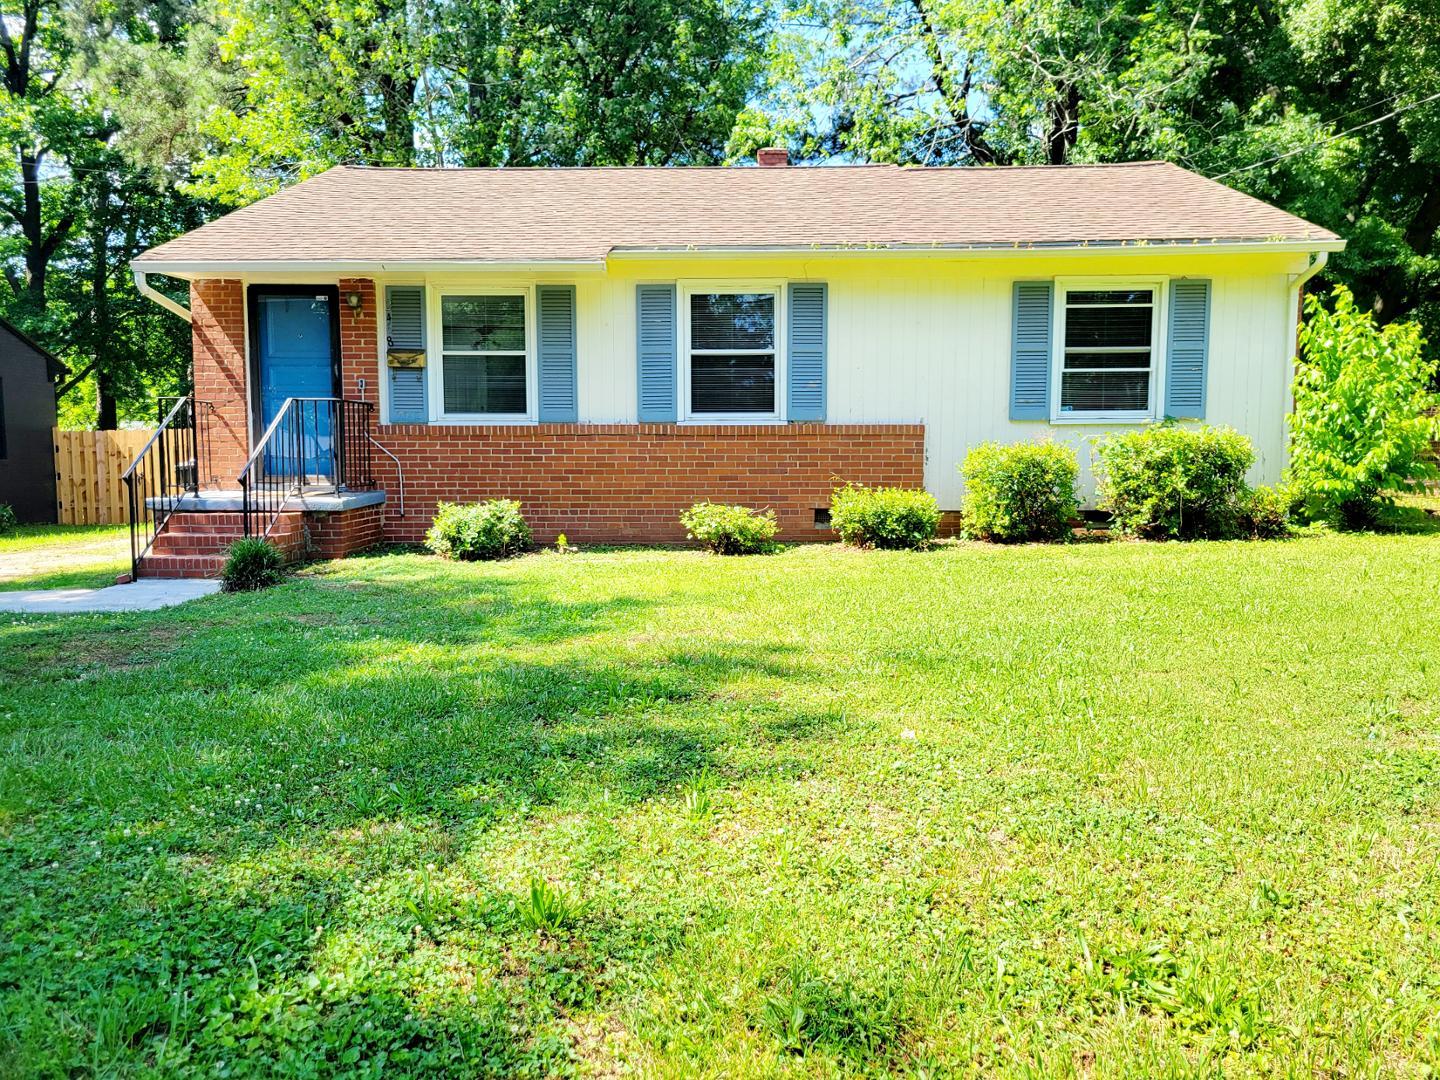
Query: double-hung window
(484, 355)
(1107, 353)
(731, 353)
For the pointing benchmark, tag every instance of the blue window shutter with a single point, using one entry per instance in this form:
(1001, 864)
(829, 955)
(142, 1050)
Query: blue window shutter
(559, 401)
(1187, 354)
(805, 396)
(405, 329)
(656, 346)
(1030, 351)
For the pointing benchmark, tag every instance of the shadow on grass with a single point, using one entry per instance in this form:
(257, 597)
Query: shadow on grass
(178, 828)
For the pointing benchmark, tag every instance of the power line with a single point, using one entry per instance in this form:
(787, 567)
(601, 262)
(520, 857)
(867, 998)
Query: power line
(1330, 138)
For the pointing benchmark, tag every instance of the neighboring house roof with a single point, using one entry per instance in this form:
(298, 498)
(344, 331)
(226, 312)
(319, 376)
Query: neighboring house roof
(53, 365)
(387, 217)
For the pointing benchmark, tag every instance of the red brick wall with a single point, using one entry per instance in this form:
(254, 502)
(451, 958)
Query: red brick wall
(629, 482)
(218, 332)
(358, 342)
(344, 532)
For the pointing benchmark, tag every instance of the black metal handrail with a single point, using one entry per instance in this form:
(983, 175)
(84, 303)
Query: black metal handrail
(314, 446)
(169, 465)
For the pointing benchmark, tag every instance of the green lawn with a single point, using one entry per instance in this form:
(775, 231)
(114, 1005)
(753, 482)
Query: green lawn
(1104, 809)
(63, 556)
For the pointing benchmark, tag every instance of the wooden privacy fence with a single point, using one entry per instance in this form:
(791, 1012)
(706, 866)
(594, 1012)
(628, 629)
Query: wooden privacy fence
(88, 465)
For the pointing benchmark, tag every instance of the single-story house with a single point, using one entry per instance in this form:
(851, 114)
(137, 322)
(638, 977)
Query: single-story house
(28, 375)
(610, 345)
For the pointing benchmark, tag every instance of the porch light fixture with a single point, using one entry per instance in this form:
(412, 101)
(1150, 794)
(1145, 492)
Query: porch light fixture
(354, 300)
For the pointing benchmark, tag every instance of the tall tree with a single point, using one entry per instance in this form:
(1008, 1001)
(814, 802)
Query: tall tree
(1330, 108)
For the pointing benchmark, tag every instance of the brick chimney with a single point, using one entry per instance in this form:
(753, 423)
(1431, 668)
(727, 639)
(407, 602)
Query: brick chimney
(772, 157)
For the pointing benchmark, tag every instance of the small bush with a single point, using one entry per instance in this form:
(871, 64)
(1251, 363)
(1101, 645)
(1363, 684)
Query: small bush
(469, 531)
(1364, 414)
(1025, 491)
(8, 524)
(1266, 512)
(730, 530)
(884, 517)
(252, 564)
(1172, 483)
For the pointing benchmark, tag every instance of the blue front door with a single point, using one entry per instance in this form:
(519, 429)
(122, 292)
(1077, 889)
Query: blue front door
(294, 352)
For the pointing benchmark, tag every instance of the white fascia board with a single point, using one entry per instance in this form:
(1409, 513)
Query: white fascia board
(953, 251)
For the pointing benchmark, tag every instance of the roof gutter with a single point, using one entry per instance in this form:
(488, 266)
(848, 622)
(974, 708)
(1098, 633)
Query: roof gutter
(149, 291)
(1297, 281)
(232, 267)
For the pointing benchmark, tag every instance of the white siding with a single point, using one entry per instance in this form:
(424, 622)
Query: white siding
(928, 340)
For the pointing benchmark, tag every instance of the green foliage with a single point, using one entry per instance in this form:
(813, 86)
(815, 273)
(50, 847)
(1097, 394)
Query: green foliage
(1166, 482)
(884, 517)
(808, 1011)
(252, 563)
(1024, 491)
(1266, 511)
(8, 524)
(730, 530)
(482, 82)
(1364, 416)
(488, 530)
(547, 909)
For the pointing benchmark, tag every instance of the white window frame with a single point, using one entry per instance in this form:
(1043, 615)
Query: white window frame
(435, 352)
(687, 289)
(1159, 320)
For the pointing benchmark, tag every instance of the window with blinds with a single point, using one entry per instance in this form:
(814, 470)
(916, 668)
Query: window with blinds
(1108, 354)
(732, 353)
(483, 355)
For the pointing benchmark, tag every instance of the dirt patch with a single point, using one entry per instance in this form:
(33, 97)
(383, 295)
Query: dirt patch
(64, 555)
(91, 651)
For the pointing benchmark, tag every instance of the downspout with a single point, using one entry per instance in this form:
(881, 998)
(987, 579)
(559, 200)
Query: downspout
(149, 291)
(1292, 343)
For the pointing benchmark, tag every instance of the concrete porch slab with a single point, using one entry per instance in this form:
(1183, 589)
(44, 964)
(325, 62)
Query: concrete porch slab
(231, 501)
(147, 594)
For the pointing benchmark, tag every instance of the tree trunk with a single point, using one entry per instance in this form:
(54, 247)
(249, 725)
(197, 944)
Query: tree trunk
(32, 230)
(1064, 125)
(106, 417)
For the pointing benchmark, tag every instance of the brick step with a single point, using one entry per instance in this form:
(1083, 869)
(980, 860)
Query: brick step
(224, 520)
(181, 566)
(222, 538)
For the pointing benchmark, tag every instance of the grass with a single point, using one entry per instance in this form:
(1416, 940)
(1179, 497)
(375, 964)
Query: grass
(1104, 809)
(63, 556)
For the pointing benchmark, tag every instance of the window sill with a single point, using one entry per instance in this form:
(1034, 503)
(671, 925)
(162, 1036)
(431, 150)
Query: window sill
(1100, 419)
(697, 421)
(472, 420)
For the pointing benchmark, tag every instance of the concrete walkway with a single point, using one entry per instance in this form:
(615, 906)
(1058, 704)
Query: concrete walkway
(147, 594)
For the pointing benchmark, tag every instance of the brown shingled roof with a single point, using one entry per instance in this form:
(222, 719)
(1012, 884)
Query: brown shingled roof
(398, 216)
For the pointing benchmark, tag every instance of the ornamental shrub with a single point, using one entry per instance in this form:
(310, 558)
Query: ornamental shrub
(1166, 482)
(250, 564)
(1364, 414)
(884, 517)
(1266, 512)
(8, 524)
(1024, 491)
(469, 531)
(730, 530)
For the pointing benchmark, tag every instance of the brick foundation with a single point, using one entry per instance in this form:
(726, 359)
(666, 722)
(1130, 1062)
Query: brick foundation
(629, 482)
(344, 532)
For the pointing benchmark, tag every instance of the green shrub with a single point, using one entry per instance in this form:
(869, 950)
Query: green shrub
(730, 530)
(1169, 482)
(1266, 512)
(488, 530)
(8, 524)
(1024, 491)
(884, 517)
(1363, 419)
(251, 564)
